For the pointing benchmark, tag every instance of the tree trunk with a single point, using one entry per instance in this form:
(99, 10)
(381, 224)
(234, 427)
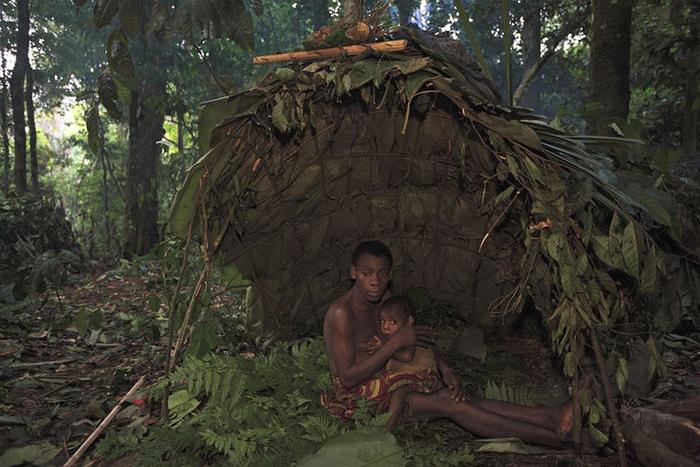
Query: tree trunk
(532, 28)
(610, 63)
(33, 160)
(146, 118)
(405, 8)
(353, 9)
(5, 138)
(319, 14)
(3, 116)
(692, 93)
(17, 94)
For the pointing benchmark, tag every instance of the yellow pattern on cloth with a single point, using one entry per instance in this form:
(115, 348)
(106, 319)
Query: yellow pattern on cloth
(342, 402)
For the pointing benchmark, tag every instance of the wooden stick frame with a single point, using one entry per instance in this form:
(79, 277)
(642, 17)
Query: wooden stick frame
(357, 49)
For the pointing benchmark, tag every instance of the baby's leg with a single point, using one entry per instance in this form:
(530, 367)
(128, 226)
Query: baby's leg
(397, 405)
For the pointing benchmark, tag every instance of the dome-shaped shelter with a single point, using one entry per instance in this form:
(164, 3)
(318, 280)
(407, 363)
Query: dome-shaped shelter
(480, 203)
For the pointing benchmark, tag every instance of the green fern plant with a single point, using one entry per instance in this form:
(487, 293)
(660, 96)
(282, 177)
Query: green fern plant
(241, 411)
(517, 394)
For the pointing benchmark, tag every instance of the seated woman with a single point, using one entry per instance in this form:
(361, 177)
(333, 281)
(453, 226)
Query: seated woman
(352, 320)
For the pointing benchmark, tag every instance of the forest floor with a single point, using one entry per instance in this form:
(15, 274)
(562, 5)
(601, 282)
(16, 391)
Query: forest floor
(65, 363)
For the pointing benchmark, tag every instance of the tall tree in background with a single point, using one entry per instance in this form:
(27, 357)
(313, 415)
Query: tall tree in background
(31, 126)
(140, 53)
(688, 27)
(146, 115)
(320, 15)
(17, 93)
(531, 36)
(353, 8)
(610, 63)
(406, 9)
(3, 107)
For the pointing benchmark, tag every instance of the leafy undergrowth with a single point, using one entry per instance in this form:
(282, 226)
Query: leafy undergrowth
(69, 358)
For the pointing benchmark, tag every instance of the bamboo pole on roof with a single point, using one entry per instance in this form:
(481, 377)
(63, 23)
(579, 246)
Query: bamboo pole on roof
(356, 49)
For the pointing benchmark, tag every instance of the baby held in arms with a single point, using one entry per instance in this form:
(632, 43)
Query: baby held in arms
(421, 362)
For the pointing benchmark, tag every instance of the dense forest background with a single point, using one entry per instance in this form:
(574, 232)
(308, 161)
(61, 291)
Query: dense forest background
(100, 119)
(100, 99)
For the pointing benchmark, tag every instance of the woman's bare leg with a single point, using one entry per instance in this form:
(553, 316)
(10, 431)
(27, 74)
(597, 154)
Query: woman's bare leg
(557, 419)
(481, 421)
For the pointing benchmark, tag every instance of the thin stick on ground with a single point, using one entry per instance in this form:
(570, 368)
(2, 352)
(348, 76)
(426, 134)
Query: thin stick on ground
(171, 314)
(100, 428)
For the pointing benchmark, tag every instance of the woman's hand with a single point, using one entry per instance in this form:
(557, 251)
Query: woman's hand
(452, 381)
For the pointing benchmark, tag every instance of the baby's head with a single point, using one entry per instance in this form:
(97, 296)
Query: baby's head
(396, 311)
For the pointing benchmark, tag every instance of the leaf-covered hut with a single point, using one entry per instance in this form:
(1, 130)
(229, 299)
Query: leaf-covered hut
(482, 204)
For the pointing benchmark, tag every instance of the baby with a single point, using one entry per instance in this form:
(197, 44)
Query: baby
(421, 363)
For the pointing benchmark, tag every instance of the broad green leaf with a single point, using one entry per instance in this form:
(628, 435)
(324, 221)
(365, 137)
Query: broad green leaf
(606, 282)
(599, 437)
(554, 245)
(279, 116)
(362, 447)
(533, 169)
(153, 301)
(505, 194)
(630, 249)
(109, 95)
(512, 166)
(581, 264)
(34, 454)
(647, 281)
(119, 59)
(601, 247)
(569, 281)
(621, 374)
(204, 340)
(92, 122)
(511, 445)
(569, 364)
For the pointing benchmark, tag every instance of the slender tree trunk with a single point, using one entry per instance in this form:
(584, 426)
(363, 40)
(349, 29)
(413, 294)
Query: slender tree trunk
(33, 159)
(181, 142)
(532, 30)
(692, 93)
(145, 130)
(406, 8)
(610, 63)
(146, 118)
(353, 9)
(17, 94)
(3, 115)
(319, 14)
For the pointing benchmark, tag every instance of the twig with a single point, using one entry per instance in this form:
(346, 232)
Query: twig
(16, 366)
(619, 440)
(95, 434)
(171, 313)
(498, 219)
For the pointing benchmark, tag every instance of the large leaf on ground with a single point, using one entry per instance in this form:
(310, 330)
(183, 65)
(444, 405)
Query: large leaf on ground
(35, 454)
(364, 446)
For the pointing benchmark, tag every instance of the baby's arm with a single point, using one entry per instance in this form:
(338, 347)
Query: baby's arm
(404, 354)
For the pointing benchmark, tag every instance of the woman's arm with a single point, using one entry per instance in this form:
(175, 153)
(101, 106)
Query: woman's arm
(450, 378)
